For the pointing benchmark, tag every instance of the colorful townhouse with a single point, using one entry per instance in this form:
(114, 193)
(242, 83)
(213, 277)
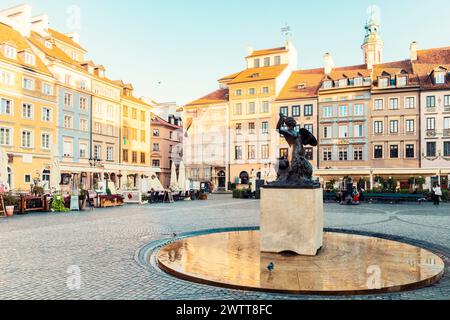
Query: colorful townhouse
(135, 139)
(29, 110)
(73, 86)
(206, 139)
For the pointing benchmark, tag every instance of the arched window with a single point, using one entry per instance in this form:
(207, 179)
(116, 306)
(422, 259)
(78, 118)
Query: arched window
(244, 177)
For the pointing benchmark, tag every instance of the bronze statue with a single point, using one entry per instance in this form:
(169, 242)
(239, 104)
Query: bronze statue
(297, 173)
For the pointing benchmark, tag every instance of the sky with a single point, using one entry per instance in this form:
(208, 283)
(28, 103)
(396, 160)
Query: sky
(175, 50)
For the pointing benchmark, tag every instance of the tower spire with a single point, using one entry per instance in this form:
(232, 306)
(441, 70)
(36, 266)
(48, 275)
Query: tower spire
(373, 44)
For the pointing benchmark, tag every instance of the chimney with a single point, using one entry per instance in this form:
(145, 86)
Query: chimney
(328, 63)
(249, 51)
(100, 71)
(74, 36)
(19, 18)
(39, 24)
(413, 50)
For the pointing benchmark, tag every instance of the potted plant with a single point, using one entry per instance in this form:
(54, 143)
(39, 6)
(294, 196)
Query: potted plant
(10, 203)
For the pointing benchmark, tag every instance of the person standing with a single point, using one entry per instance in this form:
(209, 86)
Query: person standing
(437, 194)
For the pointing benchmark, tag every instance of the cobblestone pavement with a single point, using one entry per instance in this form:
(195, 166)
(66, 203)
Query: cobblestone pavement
(38, 251)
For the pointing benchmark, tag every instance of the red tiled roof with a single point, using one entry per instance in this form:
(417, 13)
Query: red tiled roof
(427, 61)
(258, 74)
(349, 72)
(217, 96)
(258, 53)
(395, 68)
(309, 80)
(62, 37)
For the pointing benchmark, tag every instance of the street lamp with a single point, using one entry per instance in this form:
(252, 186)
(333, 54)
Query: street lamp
(94, 162)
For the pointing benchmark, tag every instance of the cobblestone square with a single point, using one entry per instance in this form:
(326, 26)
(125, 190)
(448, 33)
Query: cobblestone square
(41, 253)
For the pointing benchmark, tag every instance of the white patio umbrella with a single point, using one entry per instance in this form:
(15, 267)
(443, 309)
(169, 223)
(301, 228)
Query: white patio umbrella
(173, 178)
(155, 184)
(182, 177)
(55, 172)
(4, 169)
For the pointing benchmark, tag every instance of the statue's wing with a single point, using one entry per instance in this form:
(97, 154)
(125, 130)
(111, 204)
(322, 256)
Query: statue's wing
(308, 138)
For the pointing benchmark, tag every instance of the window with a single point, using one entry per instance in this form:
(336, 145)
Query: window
(343, 131)
(358, 82)
(439, 77)
(410, 103)
(327, 112)
(310, 128)
(27, 111)
(30, 58)
(378, 104)
(277, 60)
(98, 128)
(447, 101)
(284, 153)
(110, 111)
(431, 149)
(378, 127)
(10, 52)
(143, 136)
(125, 155)
(238, 152)
(410, 126)
(68, 122)
(134, 157)
(309, 154)
(68, 79)
(343, 154)
(46, 115)
(133, 113)
(343, 83)
(68, 99)
(251, 128)
(133, 134)
(45, 141)
(27, 139)
(238, 109)
(156, 147)
(238, 128)
(265, 127)
(251, 91)
(109, 130)
(265, 151)
(343, 111)
(239, 92)
(409, 152)
(143, 116)
(378, 152)
(393, 103)
(393, 153)
(47, 89)
(358, 153)
(6, 106)
(257, 63)
(358, 133)
(401, 81)
(143, 157)
(251, 108)
(327, 84)
(156, 132)
(296, 111)
(327, 132)
(28, 84)
(125, 111)
(97, 152)
(265, 107)
(98, 109)
(284, 111)
(109, 153)
(6, 77)
(446, 148)
(83, 103)
(5, 136)
(251, 152)
(431, 123)
(308, 110)
(393, 126)
(83, 85)
(83, 150)
(359, 110)
(431, 101)
(383, 82)
(156, 163)
(327, 154)
(27, 178)
(298, 127)
(267, 62)
(446, 123)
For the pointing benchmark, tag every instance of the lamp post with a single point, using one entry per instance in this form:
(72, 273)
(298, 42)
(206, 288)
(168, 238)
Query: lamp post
(94, 162)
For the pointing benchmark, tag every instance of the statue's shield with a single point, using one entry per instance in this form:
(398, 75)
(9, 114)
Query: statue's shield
(308, 138)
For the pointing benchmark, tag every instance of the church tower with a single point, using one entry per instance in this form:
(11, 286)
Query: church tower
(373, 45)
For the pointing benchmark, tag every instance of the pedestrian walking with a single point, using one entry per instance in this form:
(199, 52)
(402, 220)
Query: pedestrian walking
(437, 194)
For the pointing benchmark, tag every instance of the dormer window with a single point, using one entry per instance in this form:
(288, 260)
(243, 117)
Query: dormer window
(439, 77)
(383, 82)
(30, 58)
(277, 60)
(358, 82)
(402, 81)
(10, 52)
(48, 45)
(74, 56)
(255, 75)
(343, 82)
(301, 86)
(90, 69)
(257, 63)
(328, 84)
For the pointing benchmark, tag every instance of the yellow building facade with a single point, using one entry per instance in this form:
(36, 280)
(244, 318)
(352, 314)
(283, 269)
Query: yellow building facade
(28, 109)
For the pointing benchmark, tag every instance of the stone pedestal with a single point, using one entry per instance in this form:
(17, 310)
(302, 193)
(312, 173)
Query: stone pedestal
(291, 220)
